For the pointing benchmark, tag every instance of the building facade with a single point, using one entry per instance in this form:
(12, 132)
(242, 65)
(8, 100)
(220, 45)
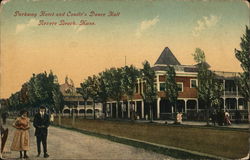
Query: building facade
(75, 104)
(188, 102)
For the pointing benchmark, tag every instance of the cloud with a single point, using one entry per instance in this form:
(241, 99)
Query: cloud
(32, 23)
(205, 23)
(79, 29)
(145, 25)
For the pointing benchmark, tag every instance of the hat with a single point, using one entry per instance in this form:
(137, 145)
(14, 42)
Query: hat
(42, 107)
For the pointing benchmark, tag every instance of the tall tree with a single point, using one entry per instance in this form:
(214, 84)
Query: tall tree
(93, 90)
(149, 92)
(114, 86)
(171, 86)
(84, 91)
(58, 101)
(103, 90)
(243, 56)
(209, 88)
(129, 81)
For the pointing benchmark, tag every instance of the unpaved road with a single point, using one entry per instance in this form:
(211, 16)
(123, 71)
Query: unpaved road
(66, 144)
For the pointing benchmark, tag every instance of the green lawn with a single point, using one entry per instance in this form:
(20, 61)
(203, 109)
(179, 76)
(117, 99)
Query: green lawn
(229, 143)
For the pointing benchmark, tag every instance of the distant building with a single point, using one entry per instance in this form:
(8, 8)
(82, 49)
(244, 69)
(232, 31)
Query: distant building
(74, 103)
(188, 103)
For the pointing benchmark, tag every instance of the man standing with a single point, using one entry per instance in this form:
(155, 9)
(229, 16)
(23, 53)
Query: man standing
(41, 124)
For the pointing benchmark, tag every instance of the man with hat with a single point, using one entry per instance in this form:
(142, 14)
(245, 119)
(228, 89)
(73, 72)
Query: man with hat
(41, 124)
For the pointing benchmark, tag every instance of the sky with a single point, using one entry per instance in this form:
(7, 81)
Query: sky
(138, 30)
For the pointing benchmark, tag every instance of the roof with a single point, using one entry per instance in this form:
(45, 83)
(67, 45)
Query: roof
(178, 68)
(167, 58)
(206, 64)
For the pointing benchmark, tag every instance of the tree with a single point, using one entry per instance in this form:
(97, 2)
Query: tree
(171, 86)
(84, 91)
(209, 88)
(103, 91)
(58, 101)
(243, 56)
(93, 90)
(149, 92)
(129, 81)
(114, 85)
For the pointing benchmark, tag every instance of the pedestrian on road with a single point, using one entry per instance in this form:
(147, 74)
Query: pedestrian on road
(21, 138)
(52, 118)
(41, 124)
(4, 117)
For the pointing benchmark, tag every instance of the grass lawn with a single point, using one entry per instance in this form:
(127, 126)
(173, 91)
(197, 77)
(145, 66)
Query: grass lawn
(229, 143)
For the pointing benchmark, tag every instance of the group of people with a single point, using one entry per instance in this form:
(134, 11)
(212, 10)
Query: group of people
(21, 139)
(222, 118)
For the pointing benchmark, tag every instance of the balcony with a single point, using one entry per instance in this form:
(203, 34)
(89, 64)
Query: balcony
(230, 93)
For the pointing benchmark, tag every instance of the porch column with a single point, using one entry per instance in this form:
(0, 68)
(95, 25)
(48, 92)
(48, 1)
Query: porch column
(158, 82)
(135, 106)
(142, 109)
(185, 105)
(158, 108)
(237, 103)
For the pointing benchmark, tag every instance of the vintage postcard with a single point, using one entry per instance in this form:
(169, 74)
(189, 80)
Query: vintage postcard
(124, 79)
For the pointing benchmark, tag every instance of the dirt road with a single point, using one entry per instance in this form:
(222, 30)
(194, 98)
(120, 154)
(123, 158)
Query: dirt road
(66, 144)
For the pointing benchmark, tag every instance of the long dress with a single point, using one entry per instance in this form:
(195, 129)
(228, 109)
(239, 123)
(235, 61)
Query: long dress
(21, 136)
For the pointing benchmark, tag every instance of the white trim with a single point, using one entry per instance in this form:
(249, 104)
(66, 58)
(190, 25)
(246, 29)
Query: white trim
(181, 86)
(186, 74)
(191, 83)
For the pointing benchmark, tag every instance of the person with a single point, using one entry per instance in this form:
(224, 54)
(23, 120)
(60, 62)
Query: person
(41, 124)
(52, 118)
(21, 137)
(4, 117)
(213, 117)
(227, 118)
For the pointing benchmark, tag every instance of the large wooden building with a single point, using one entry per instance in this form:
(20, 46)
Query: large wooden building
(188, 102)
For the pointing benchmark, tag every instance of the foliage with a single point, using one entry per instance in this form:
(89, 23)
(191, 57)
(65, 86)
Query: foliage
(243, 56)
(171, 86)
(209, 88)
(130, 74)
(41, 89)
(149, 92)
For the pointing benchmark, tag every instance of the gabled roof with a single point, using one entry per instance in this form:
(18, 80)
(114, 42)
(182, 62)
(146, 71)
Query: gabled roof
(167, 58)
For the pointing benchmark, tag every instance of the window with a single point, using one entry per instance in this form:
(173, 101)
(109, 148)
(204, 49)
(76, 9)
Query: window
(137, 88)
(193, 83)
(89, 103)
(180, 86)
(162, 86)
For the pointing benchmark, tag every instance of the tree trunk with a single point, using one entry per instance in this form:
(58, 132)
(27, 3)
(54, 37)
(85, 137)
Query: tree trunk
(94, 108)
(85, 103)
(132, 116)
(59, 119)
(207, 113)
(151, 112)
(116, 110)
(104, 109)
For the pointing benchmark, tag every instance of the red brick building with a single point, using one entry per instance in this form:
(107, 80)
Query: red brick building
(188, 103)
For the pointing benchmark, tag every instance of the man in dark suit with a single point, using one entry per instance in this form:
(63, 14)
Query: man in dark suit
(41, 124)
